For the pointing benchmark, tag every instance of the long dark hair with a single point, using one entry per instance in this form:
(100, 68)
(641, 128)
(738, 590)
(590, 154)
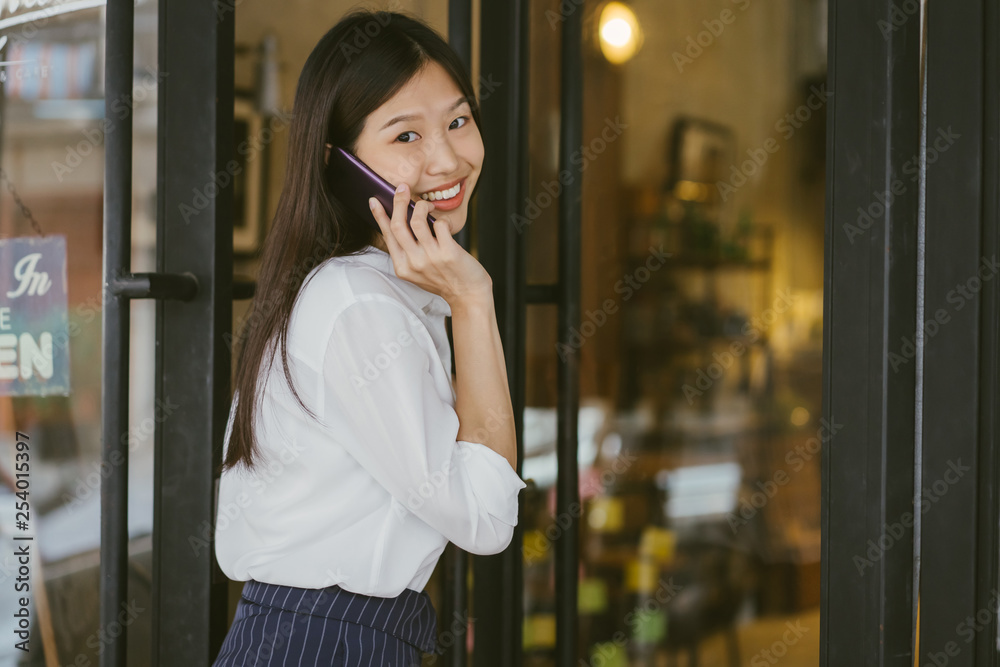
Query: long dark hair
(358, 65)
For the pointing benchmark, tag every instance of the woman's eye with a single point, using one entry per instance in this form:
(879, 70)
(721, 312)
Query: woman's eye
(464, 119)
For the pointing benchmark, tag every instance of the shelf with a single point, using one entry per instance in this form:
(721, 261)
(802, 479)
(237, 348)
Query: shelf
(709, 263)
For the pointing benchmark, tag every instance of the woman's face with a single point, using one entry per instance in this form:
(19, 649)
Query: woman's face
(426, 137)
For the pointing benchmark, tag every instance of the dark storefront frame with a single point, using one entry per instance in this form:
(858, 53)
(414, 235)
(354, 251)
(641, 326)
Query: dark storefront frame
(918, 403)
(904, 428)
(195, 137)
(193, 287)
(870, 297)
(959, 558)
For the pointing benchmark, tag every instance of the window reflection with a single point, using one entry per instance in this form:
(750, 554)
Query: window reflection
(52, 151)
(700, 340)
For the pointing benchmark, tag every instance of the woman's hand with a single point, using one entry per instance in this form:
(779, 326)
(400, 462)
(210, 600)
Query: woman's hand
(435, 262)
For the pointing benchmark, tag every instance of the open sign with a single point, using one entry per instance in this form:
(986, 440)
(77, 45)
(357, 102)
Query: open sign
(33, 316)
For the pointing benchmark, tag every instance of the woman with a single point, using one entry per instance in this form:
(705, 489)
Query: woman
(356, 463)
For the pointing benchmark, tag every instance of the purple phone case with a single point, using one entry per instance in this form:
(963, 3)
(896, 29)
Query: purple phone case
(353, 182)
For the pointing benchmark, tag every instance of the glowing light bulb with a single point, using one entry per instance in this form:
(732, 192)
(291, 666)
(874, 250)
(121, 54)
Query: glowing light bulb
(616, 32)
(619, 33)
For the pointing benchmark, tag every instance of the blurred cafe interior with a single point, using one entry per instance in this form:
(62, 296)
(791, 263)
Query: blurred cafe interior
(700, 428)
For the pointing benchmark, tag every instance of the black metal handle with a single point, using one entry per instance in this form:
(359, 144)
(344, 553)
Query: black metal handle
(180, 286)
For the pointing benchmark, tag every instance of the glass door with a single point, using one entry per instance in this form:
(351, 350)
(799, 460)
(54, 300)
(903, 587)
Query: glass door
(55, 144)
(683, 521)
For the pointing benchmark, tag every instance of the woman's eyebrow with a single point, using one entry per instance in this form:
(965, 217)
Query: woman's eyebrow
(406, 117)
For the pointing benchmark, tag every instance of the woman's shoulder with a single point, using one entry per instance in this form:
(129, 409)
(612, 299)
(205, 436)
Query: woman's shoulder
(337, 282)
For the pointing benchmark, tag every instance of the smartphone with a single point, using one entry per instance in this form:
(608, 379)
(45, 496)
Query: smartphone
(353, 182)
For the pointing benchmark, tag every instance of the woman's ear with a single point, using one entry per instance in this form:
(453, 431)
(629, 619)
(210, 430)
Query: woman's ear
(326, 158)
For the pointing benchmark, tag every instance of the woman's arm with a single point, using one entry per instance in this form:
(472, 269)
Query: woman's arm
(400, 425)
(439, 265)
(482, 397)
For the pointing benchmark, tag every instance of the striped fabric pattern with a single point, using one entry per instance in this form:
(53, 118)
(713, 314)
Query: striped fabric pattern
(285, 625)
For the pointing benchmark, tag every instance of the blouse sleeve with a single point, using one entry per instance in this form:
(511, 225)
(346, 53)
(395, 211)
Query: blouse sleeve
(379, 397)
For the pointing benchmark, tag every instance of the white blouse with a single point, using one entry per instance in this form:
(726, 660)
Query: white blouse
(368, 495)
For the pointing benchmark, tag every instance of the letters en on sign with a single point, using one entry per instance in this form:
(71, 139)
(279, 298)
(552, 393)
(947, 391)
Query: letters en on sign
(34, 331)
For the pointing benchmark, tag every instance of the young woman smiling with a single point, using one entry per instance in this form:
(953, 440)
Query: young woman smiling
(347, 472)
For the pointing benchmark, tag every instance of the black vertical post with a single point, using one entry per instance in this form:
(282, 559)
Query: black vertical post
(455, 593)
(460, 39)
(988, 463)
(959, 464)
(871, 303)
(194, 235)
(567, 556)
(498, 586)
(115, 326)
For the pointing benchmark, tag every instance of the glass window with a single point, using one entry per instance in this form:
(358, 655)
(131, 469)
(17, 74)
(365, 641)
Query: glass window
(700, 367)
(52, 156)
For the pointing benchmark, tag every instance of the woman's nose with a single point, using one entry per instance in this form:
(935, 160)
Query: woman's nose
(441, 156)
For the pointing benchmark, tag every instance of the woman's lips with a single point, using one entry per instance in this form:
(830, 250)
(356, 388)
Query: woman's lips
(450, 204)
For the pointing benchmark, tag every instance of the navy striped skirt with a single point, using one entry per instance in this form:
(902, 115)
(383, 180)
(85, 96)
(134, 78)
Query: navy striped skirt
(284, 625)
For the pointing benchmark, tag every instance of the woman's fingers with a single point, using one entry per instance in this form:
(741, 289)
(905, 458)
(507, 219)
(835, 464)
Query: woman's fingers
(383, 224)
(442, 234)
(420, 225)
(409, 243)
(398, 224)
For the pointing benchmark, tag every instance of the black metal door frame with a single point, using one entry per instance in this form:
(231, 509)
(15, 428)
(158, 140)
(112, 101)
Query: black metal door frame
(959, 546)
(910, 370)
(195, 136)
(499, 583)
(497, 580)
(193, 288)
